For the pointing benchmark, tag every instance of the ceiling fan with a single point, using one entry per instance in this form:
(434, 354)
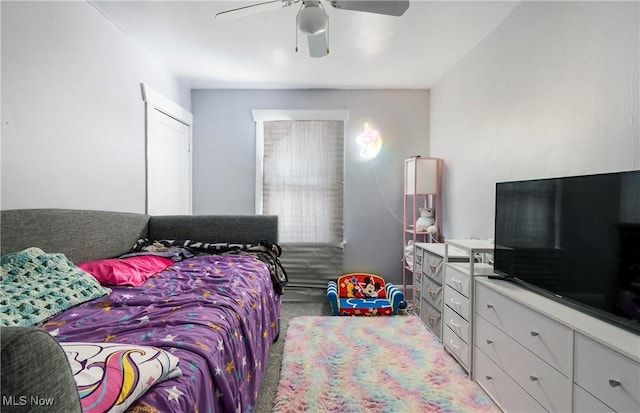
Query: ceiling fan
(312, 19)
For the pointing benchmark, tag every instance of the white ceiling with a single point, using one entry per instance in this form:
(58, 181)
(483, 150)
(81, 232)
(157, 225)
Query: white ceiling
(258, 51)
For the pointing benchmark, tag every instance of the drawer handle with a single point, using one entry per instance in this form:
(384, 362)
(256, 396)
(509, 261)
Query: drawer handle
(432, 292)
(432, 266)
(456, 281)
(453, 345)
(455, 302)
(533, 378)
(534, 333)
(453, 323)
(490, 306)
(430, 317)
(488, 377)
(614, 383)
(489, 341)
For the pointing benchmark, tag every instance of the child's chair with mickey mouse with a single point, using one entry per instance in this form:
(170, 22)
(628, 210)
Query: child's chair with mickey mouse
(362, 294)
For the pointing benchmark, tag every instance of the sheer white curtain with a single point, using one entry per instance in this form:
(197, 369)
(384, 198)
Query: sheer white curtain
(303, 179)
(302, 183)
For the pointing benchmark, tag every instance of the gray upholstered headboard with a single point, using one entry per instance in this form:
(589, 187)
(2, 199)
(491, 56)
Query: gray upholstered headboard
(87, 235)
(80, 235)
(244, 229)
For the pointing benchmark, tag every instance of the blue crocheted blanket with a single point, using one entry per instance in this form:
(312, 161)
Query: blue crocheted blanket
(37, 285)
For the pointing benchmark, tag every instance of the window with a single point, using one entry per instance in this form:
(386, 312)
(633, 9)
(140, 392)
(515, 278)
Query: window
(300, 178)
(303, 179)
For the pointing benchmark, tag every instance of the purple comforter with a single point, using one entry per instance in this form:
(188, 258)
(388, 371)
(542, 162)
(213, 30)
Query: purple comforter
(217, 313)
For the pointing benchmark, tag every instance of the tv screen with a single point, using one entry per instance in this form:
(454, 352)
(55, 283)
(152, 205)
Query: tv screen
(575, 239)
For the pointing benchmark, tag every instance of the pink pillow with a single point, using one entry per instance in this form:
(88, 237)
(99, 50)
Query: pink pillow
(125, 271)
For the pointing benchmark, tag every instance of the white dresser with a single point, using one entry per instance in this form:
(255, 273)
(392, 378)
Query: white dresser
(534, 354)
(457, 336)
(429, 281)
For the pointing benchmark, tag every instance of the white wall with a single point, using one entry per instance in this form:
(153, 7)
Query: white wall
(553, 91)
(224, 154)
(72, 111)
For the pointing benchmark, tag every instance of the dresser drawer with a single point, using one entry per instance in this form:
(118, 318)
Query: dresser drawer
(546, 384)
(609, 376)
(432, 318)
(583, 402)
(432, 292)
(457, 324)
(543, 336)
(456, 346)
(458, 280)
(419, 257)
(417, 307)
(417, 294)
(417, 278)
(433, 265)
(502, 389)
(458, 302)
(417, 269)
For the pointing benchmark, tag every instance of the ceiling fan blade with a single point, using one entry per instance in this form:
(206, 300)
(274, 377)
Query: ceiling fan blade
(318, 44)
(390, 7)
(253, 9)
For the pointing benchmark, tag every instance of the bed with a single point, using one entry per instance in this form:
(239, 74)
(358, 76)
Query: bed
(194, 336)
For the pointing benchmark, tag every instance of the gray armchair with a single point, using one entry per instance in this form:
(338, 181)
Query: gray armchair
(36, 375)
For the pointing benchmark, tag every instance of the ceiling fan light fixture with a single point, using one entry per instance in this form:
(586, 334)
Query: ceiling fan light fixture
(312, 19)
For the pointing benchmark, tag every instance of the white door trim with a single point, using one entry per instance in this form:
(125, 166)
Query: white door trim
(156, 101)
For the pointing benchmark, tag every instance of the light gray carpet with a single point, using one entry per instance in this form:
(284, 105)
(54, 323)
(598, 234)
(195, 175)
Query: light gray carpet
(272, 372)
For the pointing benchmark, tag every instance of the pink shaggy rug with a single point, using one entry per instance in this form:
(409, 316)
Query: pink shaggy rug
(371, 364)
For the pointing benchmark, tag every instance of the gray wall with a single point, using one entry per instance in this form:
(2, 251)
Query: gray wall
(72, 109)
(224, 154)
(553, 91)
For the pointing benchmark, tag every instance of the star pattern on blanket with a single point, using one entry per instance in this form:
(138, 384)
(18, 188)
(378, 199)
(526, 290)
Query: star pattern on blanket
(214, 326)
(210, 332)
(168, 337)
(174, 393)
(229, 367)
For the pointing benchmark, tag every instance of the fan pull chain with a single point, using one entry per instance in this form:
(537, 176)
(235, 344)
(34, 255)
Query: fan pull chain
(296, 28)
(328, 34)
(328, 25)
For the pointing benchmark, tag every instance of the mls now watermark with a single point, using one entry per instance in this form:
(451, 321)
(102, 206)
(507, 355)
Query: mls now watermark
(27, 401)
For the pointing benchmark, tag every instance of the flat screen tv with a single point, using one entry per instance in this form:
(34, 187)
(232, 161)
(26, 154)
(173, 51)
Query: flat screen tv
(575, 239)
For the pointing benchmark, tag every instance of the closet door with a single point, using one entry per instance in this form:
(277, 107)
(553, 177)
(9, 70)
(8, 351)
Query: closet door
(168, 152)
